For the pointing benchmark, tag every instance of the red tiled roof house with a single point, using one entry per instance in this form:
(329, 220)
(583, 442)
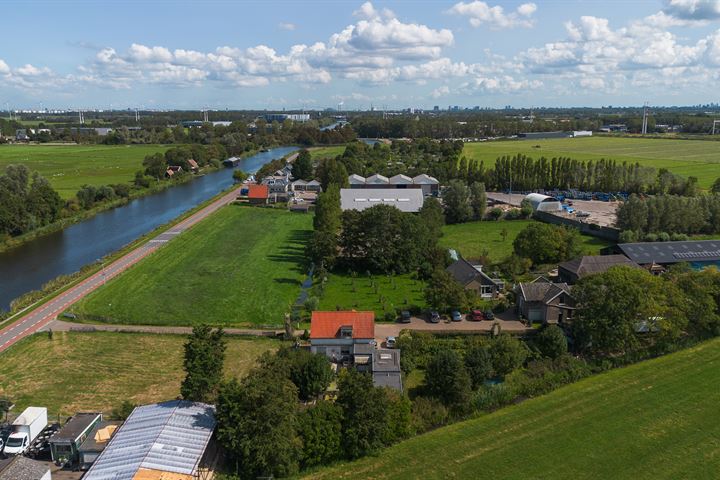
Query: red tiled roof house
(336, 334)
(258, 194)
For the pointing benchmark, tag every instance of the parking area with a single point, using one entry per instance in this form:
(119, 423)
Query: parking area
(508, 322)
(598, 212)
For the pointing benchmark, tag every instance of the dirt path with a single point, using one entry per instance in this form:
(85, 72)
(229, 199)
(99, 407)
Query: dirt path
(63, 326)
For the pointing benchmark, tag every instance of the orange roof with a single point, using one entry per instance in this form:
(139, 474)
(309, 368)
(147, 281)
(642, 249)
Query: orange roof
(327, 324)
(258, 191)
(193, 163)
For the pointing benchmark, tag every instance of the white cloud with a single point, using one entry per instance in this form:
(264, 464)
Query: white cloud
(440, 92)
(4, 69)
(695, 10)
(480, 13)
(287, 26)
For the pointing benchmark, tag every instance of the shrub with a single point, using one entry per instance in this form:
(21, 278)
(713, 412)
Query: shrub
(551, 341)
(491, 397)
(495, 213)
(428, 413)
(514, 214)
(651, 237)
(664, 237)
(627, 236)
(679, 237)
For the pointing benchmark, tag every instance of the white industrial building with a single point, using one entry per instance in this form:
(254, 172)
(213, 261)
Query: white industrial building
(406, 200)
(429, 185)
(544, 203)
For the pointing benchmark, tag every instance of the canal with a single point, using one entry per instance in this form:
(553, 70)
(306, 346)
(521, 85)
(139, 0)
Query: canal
(31, 265)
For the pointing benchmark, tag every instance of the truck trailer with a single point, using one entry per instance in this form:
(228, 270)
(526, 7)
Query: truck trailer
(25, 429)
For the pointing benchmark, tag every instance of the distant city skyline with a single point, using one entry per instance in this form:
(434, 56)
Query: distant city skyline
(277, 54)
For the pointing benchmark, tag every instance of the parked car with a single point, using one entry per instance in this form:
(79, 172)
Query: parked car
(476, 316)
(434, 317)
(489, 315)
(390, 342)
(405, 316)
(455, 316)
(582, 214)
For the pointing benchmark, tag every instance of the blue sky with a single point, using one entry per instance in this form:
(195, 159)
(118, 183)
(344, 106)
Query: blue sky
(314, 54)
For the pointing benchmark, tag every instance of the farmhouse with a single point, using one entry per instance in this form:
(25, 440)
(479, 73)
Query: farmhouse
(338, 334)
(698, 253)
(257, 194)
(66, 442)
(471, 277)
(543, 203)
(158, 441)
(572, 271)
(543, 301)
(406, 200)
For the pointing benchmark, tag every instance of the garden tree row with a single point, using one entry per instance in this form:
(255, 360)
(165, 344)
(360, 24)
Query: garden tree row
(627, 313)
(27, 201)
(157, 164)
(524, 173)
(267, 432)
(669, 214)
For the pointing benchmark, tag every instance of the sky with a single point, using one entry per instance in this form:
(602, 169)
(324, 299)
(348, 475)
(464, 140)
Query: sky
(315, 54)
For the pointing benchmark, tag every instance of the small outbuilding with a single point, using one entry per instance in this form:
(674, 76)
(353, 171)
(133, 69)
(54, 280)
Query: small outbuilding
(573, 270)
(544, 203)
(22, 468)
(472, 277)
(428, 184)
(65, 443)
(96, 442)
(313, 186)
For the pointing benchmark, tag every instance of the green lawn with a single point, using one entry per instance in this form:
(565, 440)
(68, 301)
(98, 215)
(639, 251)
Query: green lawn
(96, 371)
(68, 167)
(326, 152)
(654, 420)
(242, 266)
(472, 239)
(683, 157)
(389, 294)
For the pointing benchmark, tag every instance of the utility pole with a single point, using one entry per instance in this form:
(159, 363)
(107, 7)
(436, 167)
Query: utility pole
(645, 119)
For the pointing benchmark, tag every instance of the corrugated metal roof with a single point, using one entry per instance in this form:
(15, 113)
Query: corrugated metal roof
(406, 199)
(672, 252)
(169, 436)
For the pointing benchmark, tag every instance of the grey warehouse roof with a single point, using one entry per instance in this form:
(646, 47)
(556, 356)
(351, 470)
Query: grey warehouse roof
(672, 252)
(406, 200)
(169, 436)
(22, 468)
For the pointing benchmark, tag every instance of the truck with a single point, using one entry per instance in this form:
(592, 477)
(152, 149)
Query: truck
(25, 429)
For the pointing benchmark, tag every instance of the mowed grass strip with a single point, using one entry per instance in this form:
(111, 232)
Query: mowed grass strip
(79, 371)
(474, 239)
(326, 152)
(69, 167)
(654, 420)
(684, 157)
(398, 292)
(242, 266)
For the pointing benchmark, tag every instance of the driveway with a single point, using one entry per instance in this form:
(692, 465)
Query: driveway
(506, 321)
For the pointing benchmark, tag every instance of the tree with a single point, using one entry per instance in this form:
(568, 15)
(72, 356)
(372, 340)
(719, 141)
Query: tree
(623, 307)
(633, 214)
(551, 341)
(320, 428)
(478, 200)
(86, 196)
(364, 409)
(239, 176)
(310, 373)
(322, 248)
(398, 420)
(507, 354)
(479, 365)
(258, 426)
(702, 290)
(302, 166)
(331, 171)
(203, 364)
(444, 293)
(155, 165)
(447, 380)
(716, 186)
(544, 244)
(432, 215)
(457, 202)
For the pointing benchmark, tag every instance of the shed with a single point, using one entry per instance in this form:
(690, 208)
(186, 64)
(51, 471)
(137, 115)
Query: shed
(96, 442)
(544, 203)
(313, 186)
(161, 440)
(22, 468)
(573, 270)
(428, 184)
(65, 443)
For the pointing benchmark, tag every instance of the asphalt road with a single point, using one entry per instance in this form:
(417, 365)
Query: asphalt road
(38, 318)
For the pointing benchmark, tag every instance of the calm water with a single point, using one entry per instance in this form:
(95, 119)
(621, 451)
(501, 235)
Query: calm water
(31, 265)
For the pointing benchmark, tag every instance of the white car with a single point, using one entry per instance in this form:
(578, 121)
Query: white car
(390, 342)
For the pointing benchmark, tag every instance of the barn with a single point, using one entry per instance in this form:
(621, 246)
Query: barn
(544, 203)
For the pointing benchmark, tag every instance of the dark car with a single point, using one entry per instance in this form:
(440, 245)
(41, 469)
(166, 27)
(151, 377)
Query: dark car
(455, 316)
(434, 317)
(489, 315)
(405, 316)
(476, 316)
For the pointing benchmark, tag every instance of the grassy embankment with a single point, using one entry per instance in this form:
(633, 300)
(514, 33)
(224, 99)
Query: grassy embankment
(326, 152)
(69, 167)
(473, 238)
(654, 420)
(76, 371)
(240, 267)
(683, 157)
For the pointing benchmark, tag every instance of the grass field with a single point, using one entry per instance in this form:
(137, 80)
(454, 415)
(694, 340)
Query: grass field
(683, 157)
(68, 167)
(97, 371)
(472, 239)
(397, 292)
(653, 420)
(326, 152)
(242, 266)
